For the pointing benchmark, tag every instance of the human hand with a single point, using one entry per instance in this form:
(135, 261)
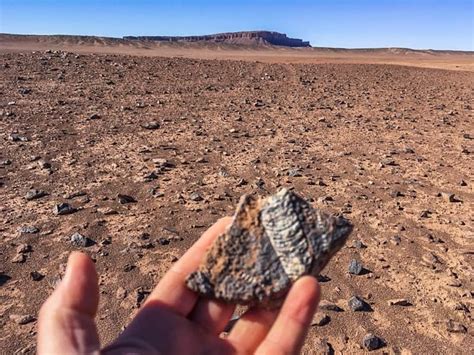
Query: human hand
(173, 319)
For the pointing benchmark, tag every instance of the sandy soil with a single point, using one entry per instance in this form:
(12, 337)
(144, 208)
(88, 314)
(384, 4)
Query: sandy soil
(388, 146)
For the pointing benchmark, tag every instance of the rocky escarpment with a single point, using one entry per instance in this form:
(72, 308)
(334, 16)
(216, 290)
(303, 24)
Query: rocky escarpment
(248, 37)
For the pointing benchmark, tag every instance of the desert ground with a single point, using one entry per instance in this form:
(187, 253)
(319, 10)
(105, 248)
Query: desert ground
(186, 131)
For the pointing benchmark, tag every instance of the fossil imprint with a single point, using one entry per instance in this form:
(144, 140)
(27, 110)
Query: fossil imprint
(269, 245)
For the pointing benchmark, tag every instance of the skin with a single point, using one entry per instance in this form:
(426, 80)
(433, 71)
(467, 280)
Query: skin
(173, 319)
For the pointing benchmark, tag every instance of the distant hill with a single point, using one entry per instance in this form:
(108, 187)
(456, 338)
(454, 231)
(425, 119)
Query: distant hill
(244, 37)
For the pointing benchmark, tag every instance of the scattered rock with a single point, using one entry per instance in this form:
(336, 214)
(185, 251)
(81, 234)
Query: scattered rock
(19, 258)
(355, 267)
(196, 197)
(36, 276)
(150, 177)
(357, 304)
(63, 209)
(455, 327)
(123, 199)
(80, 241)
(94, 116)
(151, 125)
(107, 211)
(23, 248)
(320, 319)
(5, 162)
(17, 138)
(328, 306)
(449, 197)
(372, 342)
(425, 214)
(163, 241)
(28, 230)
(22, 319)
(43, 164)
(295, 172)
(35, 194)
(400, 302)
(121, 293)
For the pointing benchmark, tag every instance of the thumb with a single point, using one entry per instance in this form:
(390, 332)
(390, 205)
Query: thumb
(66, 320)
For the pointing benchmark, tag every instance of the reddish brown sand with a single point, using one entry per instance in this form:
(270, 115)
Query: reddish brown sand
(383, 144)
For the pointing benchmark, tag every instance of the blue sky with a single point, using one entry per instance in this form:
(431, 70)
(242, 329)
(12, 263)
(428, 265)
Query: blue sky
(435, 24)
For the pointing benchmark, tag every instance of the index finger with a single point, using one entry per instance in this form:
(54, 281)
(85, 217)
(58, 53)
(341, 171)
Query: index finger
(171, 291)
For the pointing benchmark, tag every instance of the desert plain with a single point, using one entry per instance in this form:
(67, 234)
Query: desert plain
(150, 144)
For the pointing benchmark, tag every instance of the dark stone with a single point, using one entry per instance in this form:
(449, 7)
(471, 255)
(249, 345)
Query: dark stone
(151, 125)
(123, 199)
(43, 164)
(150, 177)
(330, 307)
(357, 304)
(14, 137)
(35, 194)
(128, 267)
(372, 342)
(94, 116)
(355, 267)
(320, 319)
(163, 241)
(400, 302)
(295, 173)
(323, 278)
(63, 209)
(80, 241)
(22, 319)
(4, 279)
(36, 276)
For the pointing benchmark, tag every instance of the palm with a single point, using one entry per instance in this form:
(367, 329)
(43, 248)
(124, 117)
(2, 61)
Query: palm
(173, 320)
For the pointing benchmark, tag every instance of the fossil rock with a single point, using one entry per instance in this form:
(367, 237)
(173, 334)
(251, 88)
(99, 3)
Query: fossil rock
(270, 244)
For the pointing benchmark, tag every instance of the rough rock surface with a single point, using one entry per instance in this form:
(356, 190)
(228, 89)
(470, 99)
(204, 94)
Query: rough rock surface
(270, 244)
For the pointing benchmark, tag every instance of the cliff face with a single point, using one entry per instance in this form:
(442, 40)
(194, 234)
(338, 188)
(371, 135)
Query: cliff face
(250, 37)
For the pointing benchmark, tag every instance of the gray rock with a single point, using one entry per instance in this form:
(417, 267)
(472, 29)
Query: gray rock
(295, 172)
(80, 241)
(17, 138)
(5, 162)
(195, 196)
(355, 267)
(63, 209)
(151, 125)
(372, 342)
(28, 230)
(35, 194)
(357, 304)
(123, 199)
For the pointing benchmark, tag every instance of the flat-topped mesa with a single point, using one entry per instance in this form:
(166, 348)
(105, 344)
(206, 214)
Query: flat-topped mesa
(246, 37)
